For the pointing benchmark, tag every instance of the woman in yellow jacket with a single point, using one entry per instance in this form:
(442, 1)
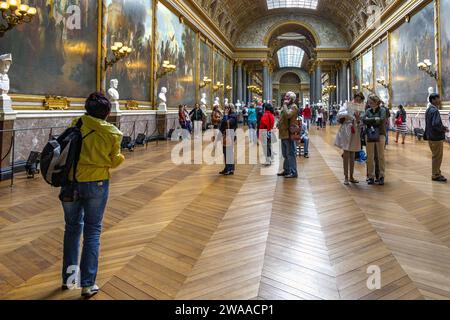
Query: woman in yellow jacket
(100, 151)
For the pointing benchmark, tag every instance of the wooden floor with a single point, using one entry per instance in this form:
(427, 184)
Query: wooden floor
(184, 232)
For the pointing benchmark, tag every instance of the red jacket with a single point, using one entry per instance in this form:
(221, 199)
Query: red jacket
(267, 121)
(307, 113)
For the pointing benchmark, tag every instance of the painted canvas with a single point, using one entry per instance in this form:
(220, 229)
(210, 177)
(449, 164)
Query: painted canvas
(367, 68)
(445, 47)
(176, 43)
(218, 74)
(56, 53)
(130, 22)
(228, 79)
(410, 43)
(356, 73)
(206, 69)
(381, 69)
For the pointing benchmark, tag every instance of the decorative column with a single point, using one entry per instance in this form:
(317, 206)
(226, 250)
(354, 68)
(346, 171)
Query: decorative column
(344, 80)
(318, 94)
(271, 83)
(333, 82)
(244, 84)
(240, 81)
(265, 64)
(311, 85)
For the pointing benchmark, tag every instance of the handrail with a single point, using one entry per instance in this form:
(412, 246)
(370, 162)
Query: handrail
(11, 149)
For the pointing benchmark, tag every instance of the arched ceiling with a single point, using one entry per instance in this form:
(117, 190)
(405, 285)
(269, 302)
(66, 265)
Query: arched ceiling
(232, 16)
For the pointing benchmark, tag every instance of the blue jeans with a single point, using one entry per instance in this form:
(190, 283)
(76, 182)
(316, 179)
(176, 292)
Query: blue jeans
(84, 215)
(305, 141)
(289, 152)
(252, 131)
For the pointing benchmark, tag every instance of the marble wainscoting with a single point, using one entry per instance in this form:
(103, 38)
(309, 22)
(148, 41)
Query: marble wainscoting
(134, 122)
(34, 128)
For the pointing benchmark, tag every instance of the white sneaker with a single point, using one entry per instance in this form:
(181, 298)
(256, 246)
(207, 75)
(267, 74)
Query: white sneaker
(89, 292)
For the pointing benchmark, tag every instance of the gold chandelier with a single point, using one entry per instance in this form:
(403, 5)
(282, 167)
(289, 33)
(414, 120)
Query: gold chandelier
(15, 13)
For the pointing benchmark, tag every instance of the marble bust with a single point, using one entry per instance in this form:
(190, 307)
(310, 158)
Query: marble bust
(113, 94)
(225, 102)
(5, 64)
(216, 102)
(162, 100)
(203, 102)
(238, 105)
(6, 110)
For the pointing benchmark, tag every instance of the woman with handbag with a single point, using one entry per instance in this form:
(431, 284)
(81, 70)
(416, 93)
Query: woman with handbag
(400, 123)
(348, 138)
(374, 119)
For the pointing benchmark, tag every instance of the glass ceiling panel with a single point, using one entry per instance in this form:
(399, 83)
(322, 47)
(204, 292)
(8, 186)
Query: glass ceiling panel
(307, 4)
(290, 57)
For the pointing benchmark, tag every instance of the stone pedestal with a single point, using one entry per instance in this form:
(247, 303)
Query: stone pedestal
(114, 118)
(161, 124)
(7, 118)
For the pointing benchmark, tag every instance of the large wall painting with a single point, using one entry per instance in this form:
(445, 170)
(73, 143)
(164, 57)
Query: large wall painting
(445, 47)
(130, 22)
(410, 43)
(176, 42)
(56, 53)
(356, 73)
(228, 79)
(206, 69)
(367, 68)
(218, 74)
(381, 69)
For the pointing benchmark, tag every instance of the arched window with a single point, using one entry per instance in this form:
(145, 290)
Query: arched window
(307, 4)
(290, 56)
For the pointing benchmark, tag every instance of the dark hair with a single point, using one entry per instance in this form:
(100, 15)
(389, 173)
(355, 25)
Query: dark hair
(359, 95)
(269, 107)
(400, 107)
(98, 106)
(433, 96)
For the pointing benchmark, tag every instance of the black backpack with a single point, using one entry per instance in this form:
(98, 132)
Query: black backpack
(60, 155)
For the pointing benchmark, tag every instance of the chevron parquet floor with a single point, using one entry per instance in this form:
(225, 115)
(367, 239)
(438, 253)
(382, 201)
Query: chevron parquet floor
(184, 232)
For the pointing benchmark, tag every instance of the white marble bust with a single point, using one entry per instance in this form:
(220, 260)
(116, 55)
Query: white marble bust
(162, 100)
(5, 64)
(216, 102)
(225, 102)
(238, 105)
(113, 94)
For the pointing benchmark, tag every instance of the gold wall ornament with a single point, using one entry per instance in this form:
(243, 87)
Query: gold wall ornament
(15, 13)
(56, 103)
(382, 82)
(425, 66)
(165, 69)
(206, 81)
(120, 52)
(132, 105)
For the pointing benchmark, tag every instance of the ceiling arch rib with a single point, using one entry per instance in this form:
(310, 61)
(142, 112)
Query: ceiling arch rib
(349, 16)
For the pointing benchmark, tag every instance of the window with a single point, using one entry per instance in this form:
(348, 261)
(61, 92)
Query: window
(290, 56)
(307, 4)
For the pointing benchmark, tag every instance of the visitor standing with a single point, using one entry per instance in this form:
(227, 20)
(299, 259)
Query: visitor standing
(228, 128)
(84, 200)
(288, 123)
(400, 124)
(374, 119)
(252, 120)
(435, 134)
(348, 138)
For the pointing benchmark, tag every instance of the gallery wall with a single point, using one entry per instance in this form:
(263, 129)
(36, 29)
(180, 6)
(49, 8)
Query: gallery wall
(394, 57)
(61, 52)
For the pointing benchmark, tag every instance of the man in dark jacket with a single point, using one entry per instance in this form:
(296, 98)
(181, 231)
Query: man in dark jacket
(228, 128)
(435, 134)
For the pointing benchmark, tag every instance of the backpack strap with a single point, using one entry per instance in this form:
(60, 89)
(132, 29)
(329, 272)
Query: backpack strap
(75, 165)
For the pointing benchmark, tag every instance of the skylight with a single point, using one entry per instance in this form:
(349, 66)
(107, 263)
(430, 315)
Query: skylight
(290, 57)
(307, 4)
